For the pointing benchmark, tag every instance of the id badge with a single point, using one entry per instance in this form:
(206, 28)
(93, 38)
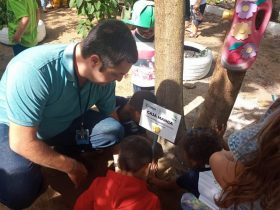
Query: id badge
(82, 136)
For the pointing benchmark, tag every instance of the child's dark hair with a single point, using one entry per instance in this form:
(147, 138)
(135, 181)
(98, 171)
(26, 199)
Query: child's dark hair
(135, 152)
(200, 143)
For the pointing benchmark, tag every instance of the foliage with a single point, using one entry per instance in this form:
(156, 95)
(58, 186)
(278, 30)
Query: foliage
(3, 14)
(97, 10)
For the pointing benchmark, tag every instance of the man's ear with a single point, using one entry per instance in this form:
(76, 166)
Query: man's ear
(95, 60)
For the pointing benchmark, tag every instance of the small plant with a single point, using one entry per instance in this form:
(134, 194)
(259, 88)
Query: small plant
(3, 14)
(97, 10)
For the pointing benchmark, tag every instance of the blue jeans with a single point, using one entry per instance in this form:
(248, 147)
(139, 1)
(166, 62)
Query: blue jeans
(21, 180)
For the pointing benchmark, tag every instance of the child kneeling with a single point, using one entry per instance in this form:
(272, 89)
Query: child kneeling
(127, 188)
(198, 144)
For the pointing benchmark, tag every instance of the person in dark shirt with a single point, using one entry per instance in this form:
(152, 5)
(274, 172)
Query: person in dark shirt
(129, 111)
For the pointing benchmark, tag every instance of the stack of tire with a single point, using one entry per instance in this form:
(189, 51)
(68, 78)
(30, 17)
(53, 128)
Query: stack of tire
(197, 67)
(41, 30)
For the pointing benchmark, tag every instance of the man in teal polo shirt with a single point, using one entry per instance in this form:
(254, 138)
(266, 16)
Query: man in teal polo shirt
(46, 94)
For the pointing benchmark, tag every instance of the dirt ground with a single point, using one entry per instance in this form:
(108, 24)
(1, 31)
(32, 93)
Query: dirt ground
(261, 81)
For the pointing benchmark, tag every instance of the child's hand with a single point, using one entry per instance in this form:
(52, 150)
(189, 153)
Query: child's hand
(152, 177)
(154, 167)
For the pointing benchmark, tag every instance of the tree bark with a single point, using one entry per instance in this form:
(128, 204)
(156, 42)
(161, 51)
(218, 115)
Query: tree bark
(222, 93)
(169, 46)
(275, 16)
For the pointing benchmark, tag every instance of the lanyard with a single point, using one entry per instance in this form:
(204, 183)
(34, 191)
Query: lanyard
(79, 92)
(80, 100)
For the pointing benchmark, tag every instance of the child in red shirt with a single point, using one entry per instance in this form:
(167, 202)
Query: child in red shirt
(126, 189)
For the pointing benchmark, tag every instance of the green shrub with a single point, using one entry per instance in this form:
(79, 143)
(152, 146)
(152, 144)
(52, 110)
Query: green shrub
(3, 14)
(95, 10)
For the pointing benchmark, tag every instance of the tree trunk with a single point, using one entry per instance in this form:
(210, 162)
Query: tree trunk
(169, 39)
(222, 93)
(169, 47)
(275, 16)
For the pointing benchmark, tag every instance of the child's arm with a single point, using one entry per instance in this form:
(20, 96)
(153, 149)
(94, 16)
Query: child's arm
(23, 23)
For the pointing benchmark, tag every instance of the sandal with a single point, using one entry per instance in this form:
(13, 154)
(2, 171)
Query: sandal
(242, 42)
(193, 35)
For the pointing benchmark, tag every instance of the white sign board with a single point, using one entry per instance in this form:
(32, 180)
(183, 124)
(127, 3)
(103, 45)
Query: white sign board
(159, 120)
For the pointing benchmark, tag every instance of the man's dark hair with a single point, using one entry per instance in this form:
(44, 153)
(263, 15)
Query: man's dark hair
(201, 143)
(112, 41)
(135, 152)
(136, 101)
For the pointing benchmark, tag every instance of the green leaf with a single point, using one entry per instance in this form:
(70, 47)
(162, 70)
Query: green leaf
(97, 14)
(83, 11)
(79, 3)
(114, 3)
(97, 5)
(235, 45)
(91, 10)
(260, 2)
(72, 3)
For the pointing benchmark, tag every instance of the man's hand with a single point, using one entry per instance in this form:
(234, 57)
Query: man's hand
(77, 173)
(24, 142)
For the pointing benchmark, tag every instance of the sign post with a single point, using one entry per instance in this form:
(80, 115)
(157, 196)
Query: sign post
(160, 121)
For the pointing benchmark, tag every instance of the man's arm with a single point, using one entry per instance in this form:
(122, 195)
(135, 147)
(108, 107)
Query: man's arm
(24, 142)
(23, 23)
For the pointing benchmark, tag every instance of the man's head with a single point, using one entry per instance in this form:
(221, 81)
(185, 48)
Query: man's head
(135, 154)
(134, 105)
(110, 48)
(199, 144)
(143, 17)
